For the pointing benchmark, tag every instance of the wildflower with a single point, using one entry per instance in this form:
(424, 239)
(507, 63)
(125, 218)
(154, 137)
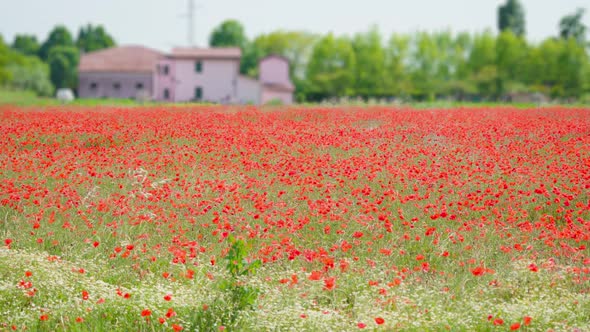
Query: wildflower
(527, 320)
(478, 271)
(315, 275)
(498, 321)
(329, 283)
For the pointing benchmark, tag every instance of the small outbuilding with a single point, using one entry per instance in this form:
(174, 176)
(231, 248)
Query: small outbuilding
(275, 82)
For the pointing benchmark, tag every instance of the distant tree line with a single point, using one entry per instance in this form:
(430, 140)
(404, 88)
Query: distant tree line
(42, 67)
(426, 66)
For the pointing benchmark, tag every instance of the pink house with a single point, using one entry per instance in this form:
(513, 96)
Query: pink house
(186, 74)
(274, 80)
(194, 74)
(119, 72)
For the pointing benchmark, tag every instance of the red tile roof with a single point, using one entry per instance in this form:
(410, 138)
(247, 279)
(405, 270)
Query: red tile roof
(207, 53)
(135, 59)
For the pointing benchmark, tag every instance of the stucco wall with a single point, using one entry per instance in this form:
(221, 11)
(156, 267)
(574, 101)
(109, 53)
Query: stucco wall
(274, 70)
(163, 81)
(218, 80)
(270, 94)
(248, 91)
(105, 84)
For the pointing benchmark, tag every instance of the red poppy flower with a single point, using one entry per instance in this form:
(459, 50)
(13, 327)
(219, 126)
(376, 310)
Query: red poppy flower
(329, 283)
(478, 271)
(315, 275)
(527, 320)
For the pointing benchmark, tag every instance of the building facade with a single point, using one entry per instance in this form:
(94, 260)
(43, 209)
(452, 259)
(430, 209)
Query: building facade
(184, 75)
(192, 74)
(274, 80)
(120, 72)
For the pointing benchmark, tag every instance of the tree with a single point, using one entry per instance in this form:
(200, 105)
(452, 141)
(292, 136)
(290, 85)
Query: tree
(425, 66)
(59, 36)
(63, 63)
(5, 75)
(396, 59)
(453, 72)
(511, 60)
(542, 67)
(93, 38)
(331, 68)
(19, 71)
(571, 26)
(370, 64)
(511, 17)
(230, 33)
(573, 62)
(26, 44)
(31, 74)
(481, 64)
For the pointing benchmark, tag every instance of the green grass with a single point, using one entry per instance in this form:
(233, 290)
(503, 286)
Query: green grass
(28, 98)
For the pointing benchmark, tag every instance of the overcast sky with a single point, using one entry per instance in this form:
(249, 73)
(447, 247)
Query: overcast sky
(160, 23)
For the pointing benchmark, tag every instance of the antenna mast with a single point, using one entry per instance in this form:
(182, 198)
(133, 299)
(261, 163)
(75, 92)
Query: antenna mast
(191, 22)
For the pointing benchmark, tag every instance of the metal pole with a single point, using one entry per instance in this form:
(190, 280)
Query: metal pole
(191, 22)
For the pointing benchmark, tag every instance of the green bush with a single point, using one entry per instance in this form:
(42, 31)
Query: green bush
(31, 74)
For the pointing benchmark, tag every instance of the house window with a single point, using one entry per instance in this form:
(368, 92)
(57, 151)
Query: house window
(139, 86)
(166, 94)
(198, 67)
(93, 86)
(198, 93)
(117, 86)
(163, 70)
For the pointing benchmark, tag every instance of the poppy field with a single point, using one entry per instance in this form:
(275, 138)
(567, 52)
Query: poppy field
(294, 219)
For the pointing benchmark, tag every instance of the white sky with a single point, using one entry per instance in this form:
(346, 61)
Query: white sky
(159, 23)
